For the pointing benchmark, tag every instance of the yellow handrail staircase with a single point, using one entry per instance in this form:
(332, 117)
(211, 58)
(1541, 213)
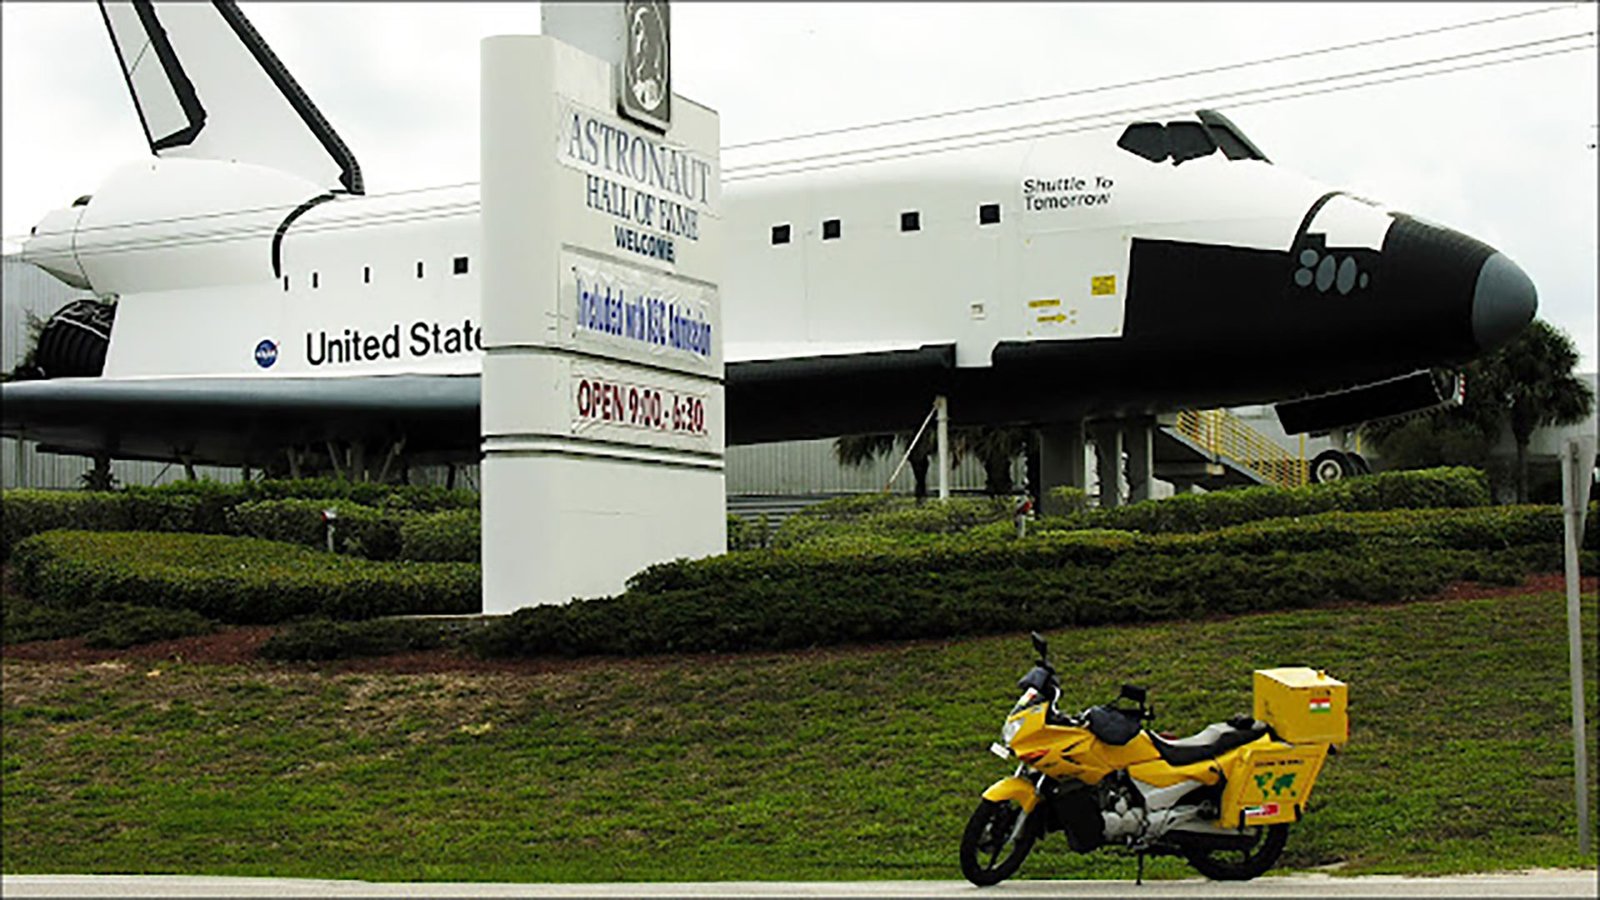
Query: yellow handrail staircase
(1228, 439)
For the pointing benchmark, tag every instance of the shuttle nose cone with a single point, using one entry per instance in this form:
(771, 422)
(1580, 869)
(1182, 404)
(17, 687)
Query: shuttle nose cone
(1503, 302)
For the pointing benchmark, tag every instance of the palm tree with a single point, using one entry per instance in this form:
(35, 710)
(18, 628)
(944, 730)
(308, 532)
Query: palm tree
(1524, 386)
(1530, 380)
(997, 449)
(862, 449)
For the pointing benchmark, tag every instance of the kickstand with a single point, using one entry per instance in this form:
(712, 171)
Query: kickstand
(1138, 879)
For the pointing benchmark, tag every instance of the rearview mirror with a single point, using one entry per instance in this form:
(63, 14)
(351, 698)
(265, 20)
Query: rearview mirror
(1039, 645)
(1135, 693)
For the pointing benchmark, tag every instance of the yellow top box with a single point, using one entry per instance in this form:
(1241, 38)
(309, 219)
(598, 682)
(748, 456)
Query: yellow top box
(1303, 705)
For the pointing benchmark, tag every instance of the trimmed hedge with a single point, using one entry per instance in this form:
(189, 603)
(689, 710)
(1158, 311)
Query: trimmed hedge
(239, 580)
(951, 585)
(125, 626)
(449, 536)
(358, 530)
(801, 611)
(323, 639)
(28, 512)
(102, 625)
(1488, 528)
(201, 507)
(1445, 488)
(889, 515)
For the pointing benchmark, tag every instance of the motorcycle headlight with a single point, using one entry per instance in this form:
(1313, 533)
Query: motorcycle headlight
(1009, 731)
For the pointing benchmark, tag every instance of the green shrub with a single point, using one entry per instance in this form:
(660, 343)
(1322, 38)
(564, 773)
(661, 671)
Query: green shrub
(28, 512)
(358, 530)
(885, 514)
(103, 625)
(208, 507)
(1420, 489)
(125, 626)
(233, 579)
(415, 498)
(454, 535)
(322, 639)
(960, 584)
(1072, 499)
(25, 620)
(797, 610)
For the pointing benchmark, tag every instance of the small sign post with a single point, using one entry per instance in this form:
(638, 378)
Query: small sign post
(1577, 468)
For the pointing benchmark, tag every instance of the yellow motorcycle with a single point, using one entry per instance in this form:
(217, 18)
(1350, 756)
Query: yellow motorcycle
(1223, 798)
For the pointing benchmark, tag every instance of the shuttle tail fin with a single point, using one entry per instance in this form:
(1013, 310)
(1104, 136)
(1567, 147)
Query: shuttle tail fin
(206, 86)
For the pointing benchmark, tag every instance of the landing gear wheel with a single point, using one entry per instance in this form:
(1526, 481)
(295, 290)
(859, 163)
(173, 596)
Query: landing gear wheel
(993, 847)
(1361, 465)
(1242, 865)
(1331, 465)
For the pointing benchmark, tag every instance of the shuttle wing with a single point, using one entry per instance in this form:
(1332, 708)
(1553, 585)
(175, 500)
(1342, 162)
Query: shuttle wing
(206, 86)
(772, 394)
(234, 420)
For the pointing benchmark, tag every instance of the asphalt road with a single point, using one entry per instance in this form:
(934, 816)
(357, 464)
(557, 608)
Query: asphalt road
(1526, 884)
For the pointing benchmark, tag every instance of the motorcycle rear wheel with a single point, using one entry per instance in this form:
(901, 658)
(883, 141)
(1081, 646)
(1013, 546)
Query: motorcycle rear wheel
(1242, 865)
(988, 853)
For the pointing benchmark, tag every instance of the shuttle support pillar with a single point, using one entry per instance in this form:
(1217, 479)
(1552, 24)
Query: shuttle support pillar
(1061, 463)
(942, 404)
(1108, 462)
(1139, 440)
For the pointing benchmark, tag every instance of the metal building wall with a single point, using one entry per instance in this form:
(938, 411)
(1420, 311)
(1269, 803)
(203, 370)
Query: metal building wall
(809, 467)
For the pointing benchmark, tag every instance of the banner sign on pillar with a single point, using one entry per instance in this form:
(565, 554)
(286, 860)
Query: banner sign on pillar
(624, 405)
(630, 313)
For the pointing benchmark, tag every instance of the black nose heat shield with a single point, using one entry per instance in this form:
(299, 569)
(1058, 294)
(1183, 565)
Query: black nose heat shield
(1447, 295)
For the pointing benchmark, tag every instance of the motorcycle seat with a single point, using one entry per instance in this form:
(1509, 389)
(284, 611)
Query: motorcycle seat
(1211, 742)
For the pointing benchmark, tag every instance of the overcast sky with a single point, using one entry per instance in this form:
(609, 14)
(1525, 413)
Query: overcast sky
(1503, 153)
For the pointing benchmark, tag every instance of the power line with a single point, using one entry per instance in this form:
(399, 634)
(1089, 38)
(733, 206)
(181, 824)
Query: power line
(286, 208)
(1008, 133)
(1084, 128)
(353, 222)
(359, 219)
(990, 107)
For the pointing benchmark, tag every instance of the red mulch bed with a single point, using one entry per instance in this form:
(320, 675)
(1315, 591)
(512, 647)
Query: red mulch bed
(237, 646)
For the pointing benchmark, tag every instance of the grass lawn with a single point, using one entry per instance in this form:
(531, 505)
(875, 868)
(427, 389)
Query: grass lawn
(856, 763)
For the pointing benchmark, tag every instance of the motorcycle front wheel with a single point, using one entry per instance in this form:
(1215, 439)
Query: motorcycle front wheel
(1245, 864)
(993, 847)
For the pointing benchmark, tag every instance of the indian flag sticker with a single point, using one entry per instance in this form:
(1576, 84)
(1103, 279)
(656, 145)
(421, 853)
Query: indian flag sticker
(1322, 704)
(1262, 811)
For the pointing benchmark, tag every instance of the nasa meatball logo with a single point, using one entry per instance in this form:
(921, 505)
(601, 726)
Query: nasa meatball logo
(647, 69)
(266, 353)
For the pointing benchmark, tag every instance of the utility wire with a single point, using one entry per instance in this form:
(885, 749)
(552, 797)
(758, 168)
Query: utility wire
(361, 219)
(990, 107)
(465, 208)
(1256, 102)
(286, 208)
(739, 173)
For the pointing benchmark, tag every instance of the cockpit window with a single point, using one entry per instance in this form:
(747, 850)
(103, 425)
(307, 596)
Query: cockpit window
(1190, 140)
(1147, 139)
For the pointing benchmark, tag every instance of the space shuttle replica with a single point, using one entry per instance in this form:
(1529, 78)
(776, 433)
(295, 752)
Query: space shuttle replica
(253, 299)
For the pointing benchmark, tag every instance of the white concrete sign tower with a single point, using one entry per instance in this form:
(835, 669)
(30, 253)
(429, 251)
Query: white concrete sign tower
(602, 377)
